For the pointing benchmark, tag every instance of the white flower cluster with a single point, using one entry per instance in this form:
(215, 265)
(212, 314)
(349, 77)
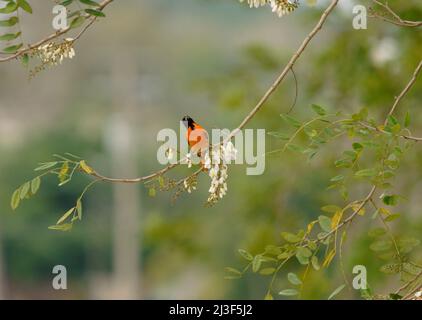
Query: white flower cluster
(256, 3)
(283, 7)
(280, 7)
(217, 170)
(53, 54)
(190, 185)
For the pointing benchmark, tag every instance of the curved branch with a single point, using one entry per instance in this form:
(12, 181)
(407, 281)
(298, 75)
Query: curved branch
(352, 216)
(404, 136)
(398, 21)
(405, 90)
(56, 35)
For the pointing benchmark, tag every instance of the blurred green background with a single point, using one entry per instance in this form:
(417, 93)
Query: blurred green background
(141, 69)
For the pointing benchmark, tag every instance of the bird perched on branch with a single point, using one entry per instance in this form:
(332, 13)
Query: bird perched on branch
(196, 136)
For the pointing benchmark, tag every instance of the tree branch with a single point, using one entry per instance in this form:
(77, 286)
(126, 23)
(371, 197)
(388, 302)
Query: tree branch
(404, 136)
(352, 216)
(397, 19)
(56, 35)
(405, 90)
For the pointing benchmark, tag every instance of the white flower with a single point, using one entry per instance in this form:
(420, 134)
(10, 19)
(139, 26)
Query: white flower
(230, 152)
(170, 153)
(189, 160)
(218, 172)
(207, 161)
(283, 7)
(418, 294)
(256, 3)
(189, 185)
(54, 53)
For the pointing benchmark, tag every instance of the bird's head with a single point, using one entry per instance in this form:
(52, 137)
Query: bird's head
(188, 122)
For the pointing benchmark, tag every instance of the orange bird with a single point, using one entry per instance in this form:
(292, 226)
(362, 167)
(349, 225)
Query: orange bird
(196, 136)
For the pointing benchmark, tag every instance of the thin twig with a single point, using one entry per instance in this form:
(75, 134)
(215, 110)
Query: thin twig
(404, 136)
(405, 90)
(352, 216)
(397, 19)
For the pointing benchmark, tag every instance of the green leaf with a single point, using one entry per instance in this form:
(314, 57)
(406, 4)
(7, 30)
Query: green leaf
(256, 263)
(391, 200)
(9, 36)
(331, 208)
(391, 268)
(35, 185)
(25, 59)
(305, 252)
(288, 292)
(295, 147)
(337, 178)
(377, 232)
(291, 120)
(269, 296)
(381, 245)
(357, 146)
(90, 3)
(279, 135)
(25, 5)
(366, 294)
(95, 13)
(366, 173)
(406, 245)
(267, 271)
(24, 189)
(319, 110)
(10, 22)
(392, 217)
(293, 279)
(61, 227)
(63, 174)
(246, 255)
(325, 223)
(85, 167)
(407, 120)
(315, 263)
(395, 296)
(14, 203)
(233, 271)
(45, 166)
(392, 120)
(152, 192)
(290, 237)
(13, 49)
(301, 258)
(66, 215)
(336, 292)
(77, 22)
(79, 208)
(9, 8)
(66, 2)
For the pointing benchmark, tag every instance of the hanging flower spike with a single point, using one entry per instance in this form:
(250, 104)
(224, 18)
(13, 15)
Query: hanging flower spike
(218, 170)
(284, 7)
(256, 3)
